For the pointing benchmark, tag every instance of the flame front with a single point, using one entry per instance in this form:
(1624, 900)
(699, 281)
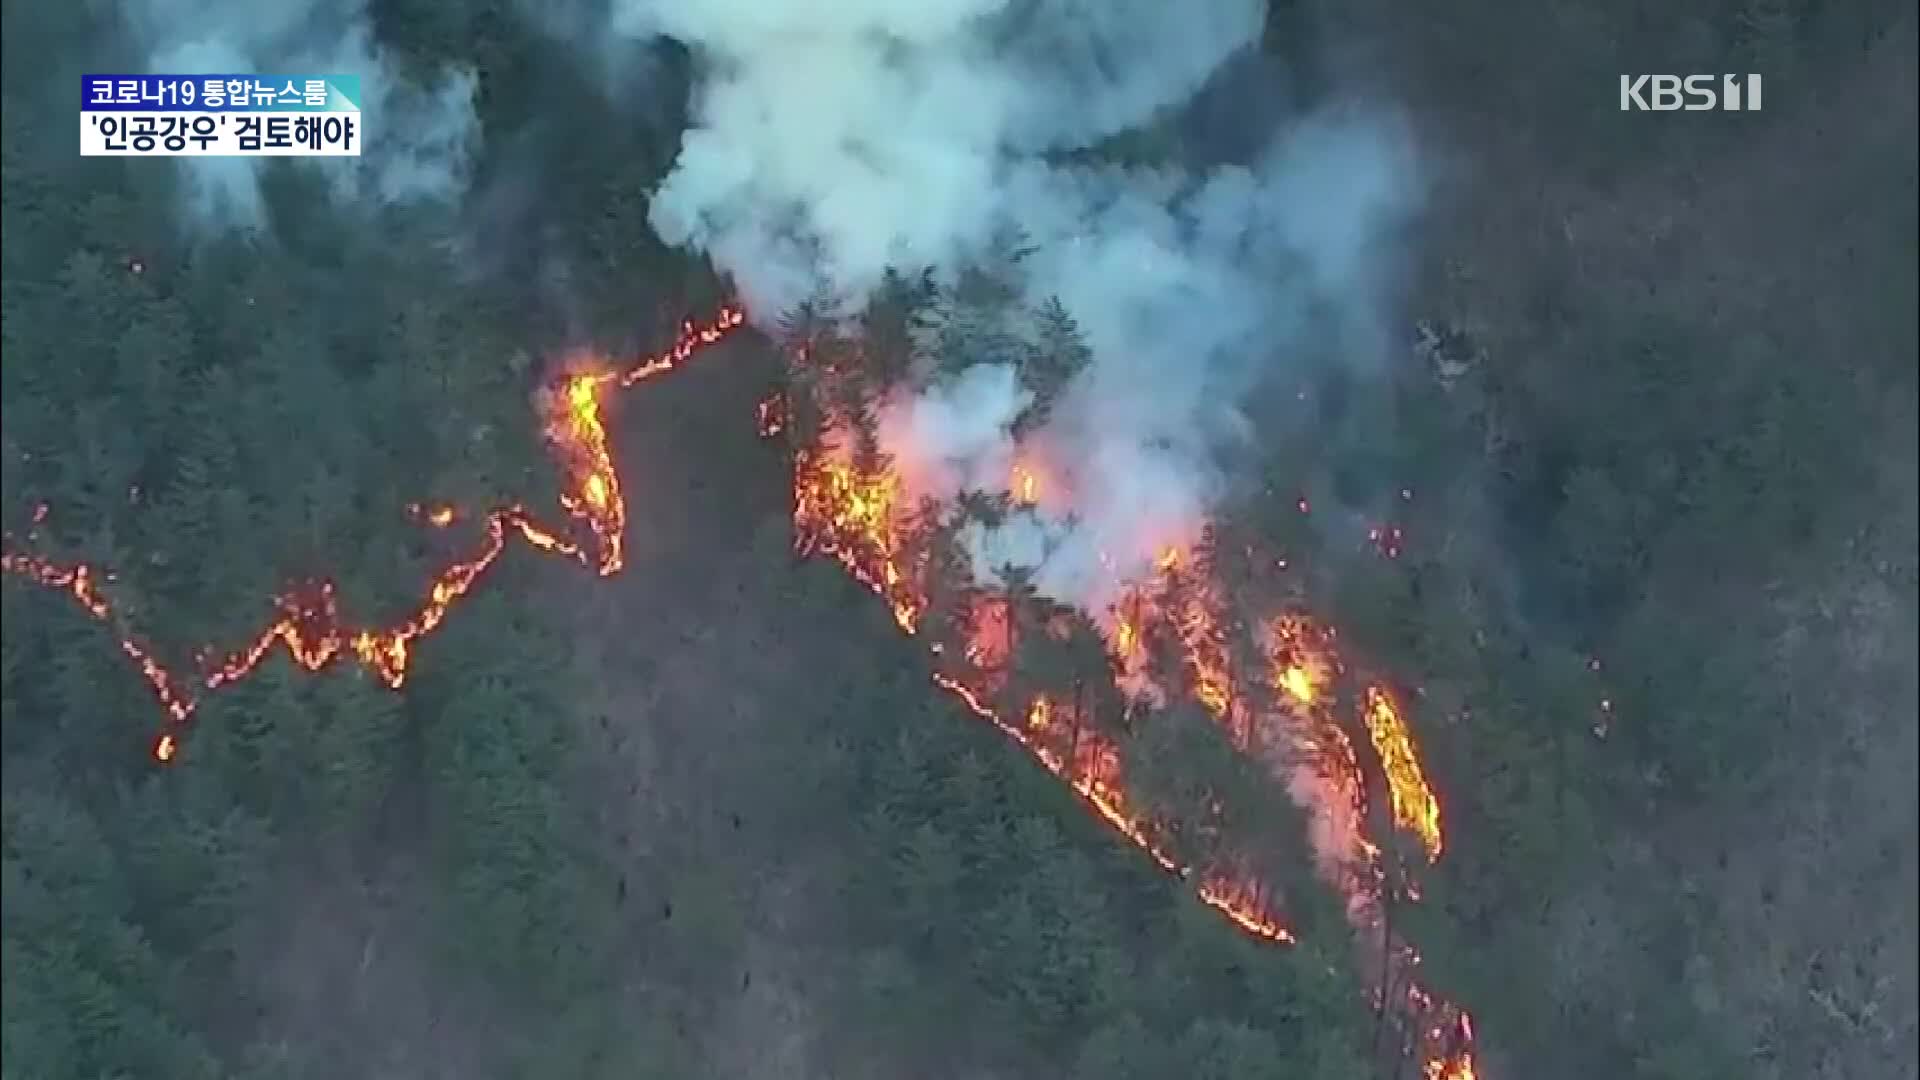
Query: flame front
(308, 623)
(1238, 898)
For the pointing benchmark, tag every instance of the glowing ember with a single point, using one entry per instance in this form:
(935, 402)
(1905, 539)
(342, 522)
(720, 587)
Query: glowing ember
(1414, 806)
(308, 624)
(1456, 1066)
(771, 415)
(439, 516)
(1040, 716)
(1389, 540)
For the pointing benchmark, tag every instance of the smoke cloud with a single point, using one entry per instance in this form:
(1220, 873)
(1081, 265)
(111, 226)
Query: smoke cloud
(419, 132)
(954, 436)
(832, 141)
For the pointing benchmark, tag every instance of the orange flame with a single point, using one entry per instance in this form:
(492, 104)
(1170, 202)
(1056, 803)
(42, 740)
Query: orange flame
(1302, 665)
(1239, 900)
(1197, 618)
(841, 514)
(309, 624)
(1303, 658)
(1414, 806)
(1444, 1035)
(1455, 1066)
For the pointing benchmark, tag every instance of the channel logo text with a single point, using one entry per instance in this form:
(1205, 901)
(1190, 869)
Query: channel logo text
(1693, 93)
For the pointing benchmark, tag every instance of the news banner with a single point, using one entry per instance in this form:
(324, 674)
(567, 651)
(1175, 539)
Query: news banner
(220, 116)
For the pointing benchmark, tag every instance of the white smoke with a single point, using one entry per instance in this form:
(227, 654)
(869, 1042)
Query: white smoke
(418, 134)
(831, 141)
(953, 436)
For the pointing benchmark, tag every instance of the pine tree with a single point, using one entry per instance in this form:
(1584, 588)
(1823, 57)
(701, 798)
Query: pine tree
(1056, 353)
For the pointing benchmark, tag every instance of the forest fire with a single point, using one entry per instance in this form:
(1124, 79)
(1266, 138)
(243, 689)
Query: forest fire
(1238, 898)
(845, 515)
(862, 518)
(1445, 1038)
(1197, 619)
(308, 623)
(1303, 663)
(851, 517)
(1092, 771)
(1302, 657)
(856, 518)
(79, 582)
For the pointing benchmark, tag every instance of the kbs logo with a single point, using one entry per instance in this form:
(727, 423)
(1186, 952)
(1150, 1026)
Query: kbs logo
(1665, 93)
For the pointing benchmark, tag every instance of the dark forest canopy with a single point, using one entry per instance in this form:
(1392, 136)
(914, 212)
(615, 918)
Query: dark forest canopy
(1657, 401)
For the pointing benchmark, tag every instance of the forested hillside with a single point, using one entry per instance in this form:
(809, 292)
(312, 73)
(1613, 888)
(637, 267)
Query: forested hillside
(1642, 441)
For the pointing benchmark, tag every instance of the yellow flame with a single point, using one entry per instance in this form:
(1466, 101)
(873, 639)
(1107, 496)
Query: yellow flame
(845, 515)
(1413, 803)
(1298, 684)
(1040, 716)
(1026, 486)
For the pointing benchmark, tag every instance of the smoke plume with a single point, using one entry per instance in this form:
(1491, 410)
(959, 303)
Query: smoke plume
(832, 141)
(419, 132)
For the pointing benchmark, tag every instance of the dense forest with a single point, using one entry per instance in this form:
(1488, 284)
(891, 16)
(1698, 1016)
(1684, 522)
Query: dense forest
(1652, 403)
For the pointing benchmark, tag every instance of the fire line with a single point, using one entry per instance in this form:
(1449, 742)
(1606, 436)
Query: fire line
(308, 623)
